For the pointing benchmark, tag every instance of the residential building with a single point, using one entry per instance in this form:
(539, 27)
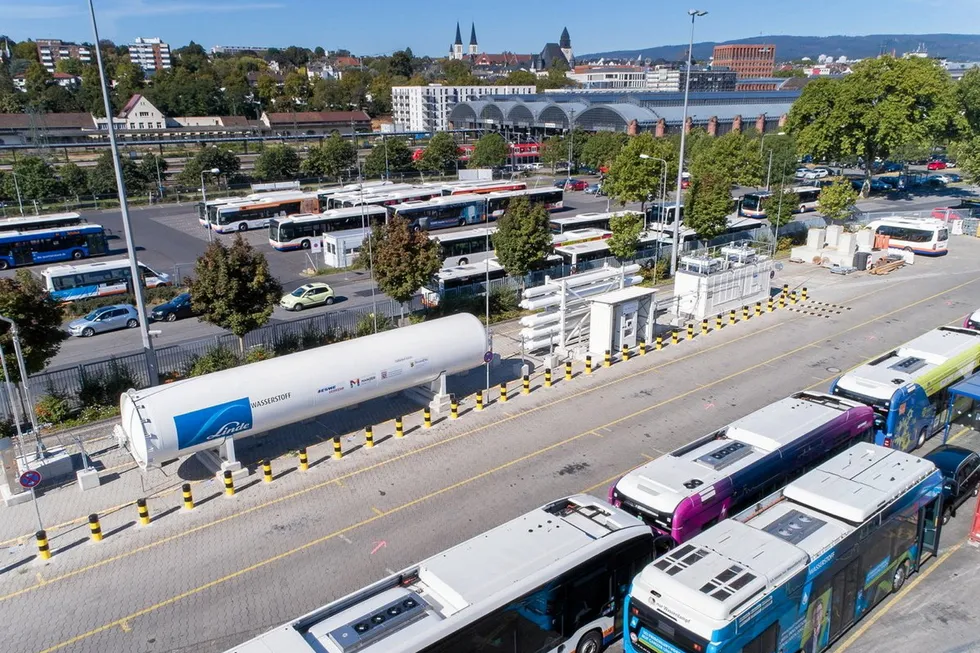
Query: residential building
(138, 114)
(610, 77)
(65, 80)
(316, 122)
(238, 49)
(19, 128)
(704, 79)
(50, 51)
(957, 69)
(426, 108)
(748, 60)
(150, 54)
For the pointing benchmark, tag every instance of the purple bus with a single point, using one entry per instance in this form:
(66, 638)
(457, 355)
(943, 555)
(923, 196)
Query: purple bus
(694, 487)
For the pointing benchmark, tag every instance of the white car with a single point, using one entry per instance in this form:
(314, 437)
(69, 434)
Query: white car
(801, 173)
(817, 173)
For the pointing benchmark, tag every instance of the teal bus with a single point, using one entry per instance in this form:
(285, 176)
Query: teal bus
(907, 387)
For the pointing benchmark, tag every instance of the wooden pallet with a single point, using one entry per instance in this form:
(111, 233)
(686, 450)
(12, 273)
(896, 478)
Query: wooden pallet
(887, 268)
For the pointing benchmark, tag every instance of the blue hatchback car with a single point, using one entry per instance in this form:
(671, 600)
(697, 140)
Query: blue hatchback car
(960, 468)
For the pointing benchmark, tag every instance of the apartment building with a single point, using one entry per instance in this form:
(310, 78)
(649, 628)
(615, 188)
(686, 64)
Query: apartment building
(426, 108)
(747, 59)
(50, 51)
(150, 54)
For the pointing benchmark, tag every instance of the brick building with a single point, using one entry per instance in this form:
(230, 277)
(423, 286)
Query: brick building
(748, 60)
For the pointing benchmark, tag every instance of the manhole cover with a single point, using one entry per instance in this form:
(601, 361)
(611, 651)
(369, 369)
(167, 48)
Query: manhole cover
(833, 370)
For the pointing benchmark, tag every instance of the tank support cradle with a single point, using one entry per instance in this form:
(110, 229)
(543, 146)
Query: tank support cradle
(222, 459)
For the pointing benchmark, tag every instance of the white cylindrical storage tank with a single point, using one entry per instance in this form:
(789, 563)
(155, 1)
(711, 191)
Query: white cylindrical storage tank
(180, 418)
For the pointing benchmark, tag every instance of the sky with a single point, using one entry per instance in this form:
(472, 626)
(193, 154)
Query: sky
(374, 27)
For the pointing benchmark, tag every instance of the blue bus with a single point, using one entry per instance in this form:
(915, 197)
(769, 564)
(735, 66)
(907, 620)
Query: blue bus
(50, 245)
(796, 570)
(907, 387)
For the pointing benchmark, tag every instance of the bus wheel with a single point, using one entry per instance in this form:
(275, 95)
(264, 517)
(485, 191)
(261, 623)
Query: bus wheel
(922, 437)
(591, 642)
(898, 578)
(305, 244)
(464, 261)
(243, 226)
(947, 515)
(78, 254)
(4, 264)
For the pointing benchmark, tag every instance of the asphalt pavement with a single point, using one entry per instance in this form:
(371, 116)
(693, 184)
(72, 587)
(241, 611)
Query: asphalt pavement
(203, 581)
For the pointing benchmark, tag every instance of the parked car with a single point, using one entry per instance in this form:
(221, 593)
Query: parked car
(952, 176)
(944, 178)
(817, 173)
(685, 180)
(559, 183)
(878, 185)
(593, 189)
(972, 321)
(960, 468)
(576, 184)
(307, 296)
(105, 318)
(587, 170)
(801, 172)
(176, 309)
(891, 166)
(936, 165)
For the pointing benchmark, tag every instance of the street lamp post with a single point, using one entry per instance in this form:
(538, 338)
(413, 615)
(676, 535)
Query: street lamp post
(769, 173)
(663, 188)
(571, 144)
(20, 434)
(19, 354)
(20, 202)
(486, 200)
(693, 13)
(367, 234)
(204, 199)
(151, 359)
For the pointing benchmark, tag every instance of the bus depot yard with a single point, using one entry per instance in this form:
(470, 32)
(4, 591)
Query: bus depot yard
(242, 562)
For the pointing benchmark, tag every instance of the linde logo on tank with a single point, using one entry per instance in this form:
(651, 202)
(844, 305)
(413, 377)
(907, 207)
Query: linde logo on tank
(271, 400)
(213, 422)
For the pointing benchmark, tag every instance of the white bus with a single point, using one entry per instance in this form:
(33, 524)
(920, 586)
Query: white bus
(336, 200)
(586, 221)
(469, 246)
(551, 580)
(72, 282)
(459, 276)
(50, 221)
(400, 196)
(928, 237)
(256, 215)
(575, 236)
(299, 231)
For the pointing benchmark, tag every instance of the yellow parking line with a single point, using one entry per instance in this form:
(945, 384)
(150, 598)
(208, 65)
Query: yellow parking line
(462, 483)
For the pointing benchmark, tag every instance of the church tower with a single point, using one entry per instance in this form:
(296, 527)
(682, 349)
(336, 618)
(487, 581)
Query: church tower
(565, 43)
(456, 51)
(474, 49)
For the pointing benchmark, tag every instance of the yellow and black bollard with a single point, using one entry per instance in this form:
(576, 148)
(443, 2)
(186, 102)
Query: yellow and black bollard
(745, 313)
(690, 331)
(266, 471)
(526, 383)
(607, 359)
(804, 293)
(479, 400)
(453, 407)
(338, 453)
(503, 392)
(793, 298)
(718, 324)
(369, 437)
(95, 528)
(758, 309)
(660, 343)
(704, 327)
(588, 364)
(785, 289)
(674, 337)
(427, 417)
(547, 377)
(731, 316)
(642, 346)
(782, 301)
(304, 461)
(188, 497)
(143, 511)
(769, 306)
(568, 370)
(626, 353)
(229, 484)
(400, 425)
(43, 551)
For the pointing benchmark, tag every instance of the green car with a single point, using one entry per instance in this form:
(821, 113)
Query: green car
(307, 296)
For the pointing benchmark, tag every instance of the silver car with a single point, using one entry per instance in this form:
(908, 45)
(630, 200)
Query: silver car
(106, 318)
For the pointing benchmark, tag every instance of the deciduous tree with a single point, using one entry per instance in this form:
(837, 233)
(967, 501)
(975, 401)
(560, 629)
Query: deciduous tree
(334, 157)
(276, 163)
(625, 239)
(233, 288)
(73, 179)
(602, 148)
(733, 156)
(208, 159)
(968, 94)
(404, 260)
(26, 301)
(553, 151)
(36, 179)
(153, 168)
(102, 177)
(780, 205)
(523, 237)
(490, 151)
(633, 178)
(709, 202)
(442, 153)
(399, 157)
(837, 200)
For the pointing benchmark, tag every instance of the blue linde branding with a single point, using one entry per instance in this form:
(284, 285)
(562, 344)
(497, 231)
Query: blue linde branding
(213, 423)
(271, 400)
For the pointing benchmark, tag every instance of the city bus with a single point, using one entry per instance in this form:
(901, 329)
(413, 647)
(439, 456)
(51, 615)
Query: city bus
(553, 579)
(50, 245)
(593, 245)
(550, 197)
(585, 221)
(68, 283)
(401, 196)
(575, 236)
(337, 200)
(257, 214)
(663, 212)
(452, 278)
(794, 572)
(461, 210)
(928, 237)
(720, 474)
(299, 231)
(463, 247)
(807, 199)
(50, 221)
(484, 187)
(907, 387)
